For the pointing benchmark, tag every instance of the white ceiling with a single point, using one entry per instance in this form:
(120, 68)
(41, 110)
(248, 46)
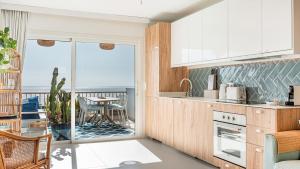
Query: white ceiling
(151, 9)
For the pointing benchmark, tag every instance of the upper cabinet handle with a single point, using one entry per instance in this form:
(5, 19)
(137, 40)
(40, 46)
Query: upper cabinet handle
(259, 112)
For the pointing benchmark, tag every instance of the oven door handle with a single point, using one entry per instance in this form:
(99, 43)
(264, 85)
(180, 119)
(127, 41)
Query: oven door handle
(232, 128)
(232, 137)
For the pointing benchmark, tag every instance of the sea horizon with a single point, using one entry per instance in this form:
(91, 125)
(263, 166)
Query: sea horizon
(85, 89)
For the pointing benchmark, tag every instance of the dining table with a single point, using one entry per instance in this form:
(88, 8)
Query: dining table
(105, 101)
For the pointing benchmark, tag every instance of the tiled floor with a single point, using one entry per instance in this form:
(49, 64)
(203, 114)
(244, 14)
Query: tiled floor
(128, 154)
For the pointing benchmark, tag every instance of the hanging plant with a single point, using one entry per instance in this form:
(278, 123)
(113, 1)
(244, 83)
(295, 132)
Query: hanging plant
(7, 47)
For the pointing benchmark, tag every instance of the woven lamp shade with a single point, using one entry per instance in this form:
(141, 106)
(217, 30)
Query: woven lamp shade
(107, 46)
(46, 43)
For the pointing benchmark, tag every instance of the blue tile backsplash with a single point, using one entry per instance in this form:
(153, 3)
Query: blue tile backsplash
(264, 81)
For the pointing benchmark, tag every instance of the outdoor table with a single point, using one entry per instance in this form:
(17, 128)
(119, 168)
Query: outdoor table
(105, 101)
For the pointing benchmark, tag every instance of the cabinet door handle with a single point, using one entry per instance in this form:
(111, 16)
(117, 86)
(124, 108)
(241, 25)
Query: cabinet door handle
(227, 165)
(258, 150)
(259, 112)
(258, 131)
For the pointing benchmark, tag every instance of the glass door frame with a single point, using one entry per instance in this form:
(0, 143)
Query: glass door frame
(138, 43)
(61, 39)
(138, 97)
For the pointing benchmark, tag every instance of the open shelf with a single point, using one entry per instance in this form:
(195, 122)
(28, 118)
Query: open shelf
(10, 71)
(9, 90)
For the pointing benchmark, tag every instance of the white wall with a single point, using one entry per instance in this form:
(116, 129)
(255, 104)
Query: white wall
(77, 27)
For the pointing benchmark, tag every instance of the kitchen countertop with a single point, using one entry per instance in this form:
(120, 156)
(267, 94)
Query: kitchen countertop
(265, 106)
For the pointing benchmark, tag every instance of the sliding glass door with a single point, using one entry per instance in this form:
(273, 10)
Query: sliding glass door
(47, 65)
(84, 90)
(105, 90)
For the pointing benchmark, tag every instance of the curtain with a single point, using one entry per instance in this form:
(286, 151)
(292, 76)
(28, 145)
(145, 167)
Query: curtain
(17, 22)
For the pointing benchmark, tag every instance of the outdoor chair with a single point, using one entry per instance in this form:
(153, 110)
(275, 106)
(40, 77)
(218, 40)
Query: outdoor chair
(85, 108)
(23, 152)
(121, 108)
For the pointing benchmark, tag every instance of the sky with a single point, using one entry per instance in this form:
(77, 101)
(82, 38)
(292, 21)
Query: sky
(95, 68)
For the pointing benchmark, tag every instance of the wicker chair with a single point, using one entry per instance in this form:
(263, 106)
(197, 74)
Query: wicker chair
(17, 152)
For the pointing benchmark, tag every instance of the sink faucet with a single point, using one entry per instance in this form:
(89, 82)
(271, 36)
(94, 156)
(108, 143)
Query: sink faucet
(189, 92)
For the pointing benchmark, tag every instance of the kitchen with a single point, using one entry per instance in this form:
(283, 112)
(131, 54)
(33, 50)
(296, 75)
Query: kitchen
(150, 84)
(220, 79)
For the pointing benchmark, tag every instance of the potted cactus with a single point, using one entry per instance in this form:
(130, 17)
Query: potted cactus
(7, 49)
(59, 108)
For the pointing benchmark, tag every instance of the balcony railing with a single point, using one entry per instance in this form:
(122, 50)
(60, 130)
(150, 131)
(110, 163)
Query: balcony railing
(44, 95)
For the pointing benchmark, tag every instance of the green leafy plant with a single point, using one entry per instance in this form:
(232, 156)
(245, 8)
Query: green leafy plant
(7, 46)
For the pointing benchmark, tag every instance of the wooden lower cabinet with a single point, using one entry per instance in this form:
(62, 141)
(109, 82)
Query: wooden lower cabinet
(226, 165)
(186, 127)
(149, 117)
(191, 124)
(254, 156)
(256, 135)
(159, 119)
(205, 131)
(165, 120)
(179, 107)
(265, 118)
(261, 121)
(193, 129)
(152, 120)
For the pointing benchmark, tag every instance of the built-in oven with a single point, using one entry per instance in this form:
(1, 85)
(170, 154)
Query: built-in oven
(230, 137)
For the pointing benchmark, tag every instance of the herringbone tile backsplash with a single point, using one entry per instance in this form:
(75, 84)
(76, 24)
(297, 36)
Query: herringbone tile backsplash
(264, 81)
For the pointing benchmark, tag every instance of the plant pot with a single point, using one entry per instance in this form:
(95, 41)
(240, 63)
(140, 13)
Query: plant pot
(61, 131)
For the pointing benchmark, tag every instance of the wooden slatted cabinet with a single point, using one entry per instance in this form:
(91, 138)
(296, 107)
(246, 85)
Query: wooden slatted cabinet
(10, 95)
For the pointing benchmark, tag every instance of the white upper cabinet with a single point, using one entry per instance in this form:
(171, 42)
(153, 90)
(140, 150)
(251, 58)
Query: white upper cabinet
(179, 43)
(237, 29)
(215, 41)
(277, 25)
(195, 37)
(244, 27)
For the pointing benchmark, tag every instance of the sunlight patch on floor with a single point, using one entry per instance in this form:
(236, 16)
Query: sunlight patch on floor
(102, 155)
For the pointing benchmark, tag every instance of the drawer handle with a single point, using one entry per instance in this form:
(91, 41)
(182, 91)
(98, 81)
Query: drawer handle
(258, 150)
(227, 165)
(210, 105)
(259, 112)
(258, 131)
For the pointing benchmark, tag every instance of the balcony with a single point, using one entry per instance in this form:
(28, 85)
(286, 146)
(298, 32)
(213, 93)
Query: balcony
(88, 122)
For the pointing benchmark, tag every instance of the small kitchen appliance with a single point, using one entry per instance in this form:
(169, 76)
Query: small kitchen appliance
(222, 91)
(294, 95)
(236, 93)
